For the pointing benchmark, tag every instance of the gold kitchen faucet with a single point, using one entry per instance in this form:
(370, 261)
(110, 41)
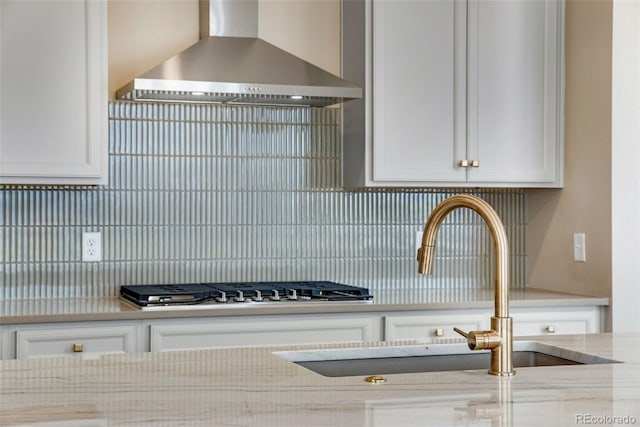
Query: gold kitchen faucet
(500, 338)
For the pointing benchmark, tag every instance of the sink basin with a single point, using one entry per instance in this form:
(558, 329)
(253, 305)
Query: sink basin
(429, 358)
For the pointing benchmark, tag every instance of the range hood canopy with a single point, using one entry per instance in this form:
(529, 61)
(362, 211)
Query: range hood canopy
(230, 64)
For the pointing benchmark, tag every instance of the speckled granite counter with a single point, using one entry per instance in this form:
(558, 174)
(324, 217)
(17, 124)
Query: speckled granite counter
(253, 387)
(111, 308)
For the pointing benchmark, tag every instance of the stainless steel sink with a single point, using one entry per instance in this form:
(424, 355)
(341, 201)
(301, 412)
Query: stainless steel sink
(429, 358)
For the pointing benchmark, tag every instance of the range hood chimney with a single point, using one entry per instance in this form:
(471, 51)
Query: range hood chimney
(231, 65)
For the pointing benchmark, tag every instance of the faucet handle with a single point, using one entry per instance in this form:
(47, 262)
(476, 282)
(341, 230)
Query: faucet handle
(461, 332)
(481, 340)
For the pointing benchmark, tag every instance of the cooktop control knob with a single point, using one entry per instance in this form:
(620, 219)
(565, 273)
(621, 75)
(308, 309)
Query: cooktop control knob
(240, 296)
(258, 296)
(222, 297)
(275, 296)
(293, 295)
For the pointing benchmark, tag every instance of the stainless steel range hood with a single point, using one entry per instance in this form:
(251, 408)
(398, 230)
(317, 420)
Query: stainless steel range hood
(230, 64)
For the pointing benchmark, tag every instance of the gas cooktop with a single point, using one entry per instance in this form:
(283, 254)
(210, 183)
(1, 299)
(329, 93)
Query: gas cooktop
(207, 294)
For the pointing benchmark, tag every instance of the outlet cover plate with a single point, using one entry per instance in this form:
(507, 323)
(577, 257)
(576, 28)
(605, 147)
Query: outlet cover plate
(91, 247)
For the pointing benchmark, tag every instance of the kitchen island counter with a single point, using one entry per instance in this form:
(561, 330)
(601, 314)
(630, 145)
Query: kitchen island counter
(416, 299)
(254, 387)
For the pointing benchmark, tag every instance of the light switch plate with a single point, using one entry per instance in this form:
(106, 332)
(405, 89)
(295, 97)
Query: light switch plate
(579, 247)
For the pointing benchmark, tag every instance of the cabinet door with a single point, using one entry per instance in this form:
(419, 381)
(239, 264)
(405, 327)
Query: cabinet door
(515, 91)
(479, 81)
(418, 94)
(277, 330)
(53, 92)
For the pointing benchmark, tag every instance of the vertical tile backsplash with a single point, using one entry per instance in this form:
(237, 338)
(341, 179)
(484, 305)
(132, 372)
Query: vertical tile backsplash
(236, 193)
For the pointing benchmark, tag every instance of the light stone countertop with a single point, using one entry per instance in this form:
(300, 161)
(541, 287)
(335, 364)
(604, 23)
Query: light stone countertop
(414, 299)
(254, 387)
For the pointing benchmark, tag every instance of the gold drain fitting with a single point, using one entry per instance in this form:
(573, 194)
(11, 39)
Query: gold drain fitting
(375, 379)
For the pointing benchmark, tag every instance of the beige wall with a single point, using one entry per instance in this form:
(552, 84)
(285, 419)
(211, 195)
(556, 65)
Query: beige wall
(143, 33)
(584, 205)
(309, 29)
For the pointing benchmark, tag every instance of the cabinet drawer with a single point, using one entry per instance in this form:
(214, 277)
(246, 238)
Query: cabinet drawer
(432, 326)
(292, 331)
(550, 327)
(575, 321)
(70, 341)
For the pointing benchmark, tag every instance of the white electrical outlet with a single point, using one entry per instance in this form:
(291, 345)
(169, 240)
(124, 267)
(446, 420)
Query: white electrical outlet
(579, 247)
(91, 247)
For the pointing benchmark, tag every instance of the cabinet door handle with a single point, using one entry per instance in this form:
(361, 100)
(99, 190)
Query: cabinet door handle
(439, 332)
(551, 329)
(469, 163)
(78, 348)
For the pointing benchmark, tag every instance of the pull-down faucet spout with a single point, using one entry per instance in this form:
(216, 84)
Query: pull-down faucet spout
(500, 338)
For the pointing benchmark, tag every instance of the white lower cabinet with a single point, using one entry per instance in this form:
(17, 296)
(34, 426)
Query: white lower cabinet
(526, 321)
(91, 338)
(101, 337)
(557, 320)
(436, 324)
(174, 334)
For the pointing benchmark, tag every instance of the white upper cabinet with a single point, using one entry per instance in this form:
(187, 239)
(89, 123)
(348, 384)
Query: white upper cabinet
(457, 93)
(53, 92)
